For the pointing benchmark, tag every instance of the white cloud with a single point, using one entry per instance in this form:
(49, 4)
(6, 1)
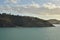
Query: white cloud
(50, 6)
(32, 5)
(37, 12)
(14, 1)
(11, 1)
(55, 0)
(34, 8)
(35, 5)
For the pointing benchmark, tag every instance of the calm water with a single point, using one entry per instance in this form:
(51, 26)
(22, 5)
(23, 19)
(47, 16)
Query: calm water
(48, 33)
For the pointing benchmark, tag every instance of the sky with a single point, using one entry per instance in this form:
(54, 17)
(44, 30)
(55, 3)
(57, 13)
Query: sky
(44, 9)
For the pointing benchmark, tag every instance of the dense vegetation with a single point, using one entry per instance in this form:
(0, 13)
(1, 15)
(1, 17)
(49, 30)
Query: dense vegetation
(7, 20)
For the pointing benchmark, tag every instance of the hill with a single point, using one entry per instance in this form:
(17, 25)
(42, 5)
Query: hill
(7, 20)
(54, 21)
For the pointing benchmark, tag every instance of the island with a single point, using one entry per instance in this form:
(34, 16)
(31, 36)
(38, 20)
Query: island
(8, 20)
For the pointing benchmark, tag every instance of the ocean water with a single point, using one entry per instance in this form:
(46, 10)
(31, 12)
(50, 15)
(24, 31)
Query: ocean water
(48, 33)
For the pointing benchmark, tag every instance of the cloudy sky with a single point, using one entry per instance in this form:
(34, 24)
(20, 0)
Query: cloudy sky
(45, 9)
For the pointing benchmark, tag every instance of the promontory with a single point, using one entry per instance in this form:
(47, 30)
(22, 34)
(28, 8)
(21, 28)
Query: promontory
(8, 20)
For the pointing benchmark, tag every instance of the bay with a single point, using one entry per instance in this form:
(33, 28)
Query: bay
(48, 33)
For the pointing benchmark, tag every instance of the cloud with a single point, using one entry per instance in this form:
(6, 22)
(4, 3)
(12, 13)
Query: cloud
(35, 5)
(40, 12)
(33, 8)
(11, 1)
(50, 6)
(15, 3)
(46, 10)
(55, 0)
(32, 5)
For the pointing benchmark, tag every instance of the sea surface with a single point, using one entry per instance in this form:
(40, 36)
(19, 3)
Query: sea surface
(48, 33)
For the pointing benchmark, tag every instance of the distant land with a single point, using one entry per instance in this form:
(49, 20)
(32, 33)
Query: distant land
(54, 21)
(8, 20)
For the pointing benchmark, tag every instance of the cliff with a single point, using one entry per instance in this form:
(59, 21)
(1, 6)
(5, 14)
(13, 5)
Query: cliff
(7, 20)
